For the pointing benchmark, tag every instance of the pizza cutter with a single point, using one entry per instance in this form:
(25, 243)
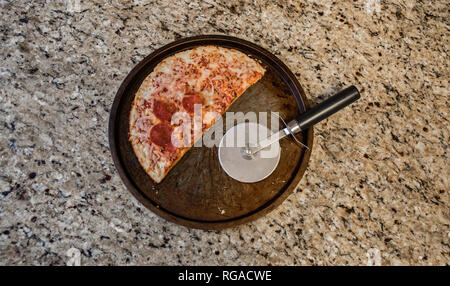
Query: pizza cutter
(248, 157)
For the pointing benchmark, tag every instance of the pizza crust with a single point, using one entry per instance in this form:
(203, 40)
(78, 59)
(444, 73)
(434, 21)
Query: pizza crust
(212, 75)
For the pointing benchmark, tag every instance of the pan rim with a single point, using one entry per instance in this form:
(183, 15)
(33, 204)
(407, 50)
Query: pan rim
(191, 42)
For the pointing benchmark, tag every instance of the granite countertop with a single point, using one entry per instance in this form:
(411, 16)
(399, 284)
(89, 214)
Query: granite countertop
(376, 188)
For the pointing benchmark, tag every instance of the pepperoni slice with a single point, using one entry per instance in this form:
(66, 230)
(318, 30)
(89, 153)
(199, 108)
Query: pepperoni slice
(190, 100)
(164, 110)
(161, 135)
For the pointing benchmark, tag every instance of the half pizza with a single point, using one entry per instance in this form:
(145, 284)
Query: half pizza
(205, 80)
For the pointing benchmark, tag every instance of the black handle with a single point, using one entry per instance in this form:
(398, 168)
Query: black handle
(330, 106)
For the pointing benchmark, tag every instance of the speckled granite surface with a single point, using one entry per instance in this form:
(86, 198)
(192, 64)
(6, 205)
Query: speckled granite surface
(376, 189)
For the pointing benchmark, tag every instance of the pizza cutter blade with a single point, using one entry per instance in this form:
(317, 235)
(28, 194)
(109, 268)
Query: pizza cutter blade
(235, 157)
(255, 157)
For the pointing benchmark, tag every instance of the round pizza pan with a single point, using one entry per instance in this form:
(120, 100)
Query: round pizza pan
(197, 192)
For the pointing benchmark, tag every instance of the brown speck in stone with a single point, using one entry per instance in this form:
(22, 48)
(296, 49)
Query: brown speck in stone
(152, 245)
(32, 175)
(217, 252)
(22, 195)
(5, 193)
(320, 13)
(33, 219)
(105, 178)
(6, 232)
(387, 239)
(33, 70)
(425, 129)
(366, 156)
(441, 191)
(377, 104)
(394, 137)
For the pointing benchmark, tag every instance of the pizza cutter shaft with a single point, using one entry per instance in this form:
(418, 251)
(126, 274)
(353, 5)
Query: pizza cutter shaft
(269, 141)
(316, 114)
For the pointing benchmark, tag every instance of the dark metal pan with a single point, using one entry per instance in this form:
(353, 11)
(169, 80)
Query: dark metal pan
(197, 192)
